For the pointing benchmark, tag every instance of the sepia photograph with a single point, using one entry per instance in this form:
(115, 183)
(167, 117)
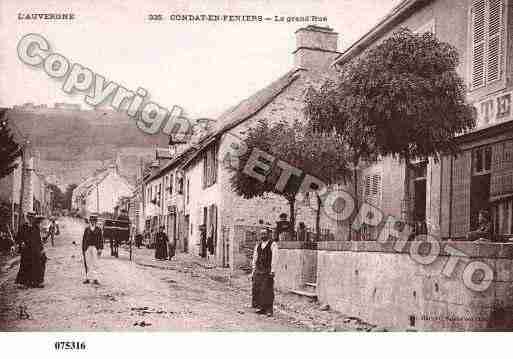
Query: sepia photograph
(255, 166)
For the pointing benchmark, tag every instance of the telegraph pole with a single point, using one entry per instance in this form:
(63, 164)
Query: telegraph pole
(22, 187)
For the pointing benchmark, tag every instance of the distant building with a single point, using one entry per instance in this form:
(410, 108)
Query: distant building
(67, 106)
(101, 192)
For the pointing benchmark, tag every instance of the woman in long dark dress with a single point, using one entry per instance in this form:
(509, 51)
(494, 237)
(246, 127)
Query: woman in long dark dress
(36, 256)
(23, 240)
(161, 244)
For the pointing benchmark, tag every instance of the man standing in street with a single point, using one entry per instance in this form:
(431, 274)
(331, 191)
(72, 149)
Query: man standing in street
(265, 259)
(92, 245)
(53, 230)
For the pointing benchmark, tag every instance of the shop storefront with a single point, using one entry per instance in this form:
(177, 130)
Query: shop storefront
(479, 178)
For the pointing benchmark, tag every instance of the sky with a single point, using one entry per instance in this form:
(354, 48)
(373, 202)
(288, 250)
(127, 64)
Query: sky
(203, 67)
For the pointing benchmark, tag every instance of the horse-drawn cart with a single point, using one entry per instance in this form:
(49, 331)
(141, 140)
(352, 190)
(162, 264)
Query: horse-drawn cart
(117, 232)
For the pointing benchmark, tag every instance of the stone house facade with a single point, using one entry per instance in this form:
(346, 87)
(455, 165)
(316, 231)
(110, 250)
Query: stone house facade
(382, 283)
(212, 202)
(448, 195)
(204, 201)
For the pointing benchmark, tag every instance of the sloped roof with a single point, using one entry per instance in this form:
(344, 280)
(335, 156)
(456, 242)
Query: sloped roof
(169, 163)
(253, 104)
(85, 188)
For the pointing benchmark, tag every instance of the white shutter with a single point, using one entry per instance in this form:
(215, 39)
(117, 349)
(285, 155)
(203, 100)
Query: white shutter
(373, 189)
(478, 32)
(494, 51)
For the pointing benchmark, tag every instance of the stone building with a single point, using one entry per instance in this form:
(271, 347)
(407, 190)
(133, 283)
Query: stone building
(191, 192)
(448, 195)
(385, 285)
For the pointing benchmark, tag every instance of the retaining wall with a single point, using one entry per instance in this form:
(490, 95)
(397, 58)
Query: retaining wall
(388, 288)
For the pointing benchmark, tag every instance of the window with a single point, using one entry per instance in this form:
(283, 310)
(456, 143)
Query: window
(372, 189)
(482, 160)
(171, 180)
(210, 166)
(180, 186)
(487, 32)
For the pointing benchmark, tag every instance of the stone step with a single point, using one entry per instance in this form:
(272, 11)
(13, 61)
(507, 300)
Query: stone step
(311, 284)
(304, 293)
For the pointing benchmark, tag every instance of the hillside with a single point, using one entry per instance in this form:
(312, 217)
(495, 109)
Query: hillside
(71, 144)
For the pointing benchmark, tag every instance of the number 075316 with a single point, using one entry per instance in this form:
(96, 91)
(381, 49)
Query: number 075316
(69, 345)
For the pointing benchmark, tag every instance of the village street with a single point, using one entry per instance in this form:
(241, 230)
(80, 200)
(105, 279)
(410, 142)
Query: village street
(145, 294)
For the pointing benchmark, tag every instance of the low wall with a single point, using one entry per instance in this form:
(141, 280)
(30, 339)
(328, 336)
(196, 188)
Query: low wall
(295, 265)
(388, 288)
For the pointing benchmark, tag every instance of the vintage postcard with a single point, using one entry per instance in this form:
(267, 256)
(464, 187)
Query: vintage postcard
(256, 166)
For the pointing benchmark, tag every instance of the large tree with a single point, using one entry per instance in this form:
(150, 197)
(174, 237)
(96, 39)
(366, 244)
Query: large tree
(404, 97)
(294, 144)
(9, 149)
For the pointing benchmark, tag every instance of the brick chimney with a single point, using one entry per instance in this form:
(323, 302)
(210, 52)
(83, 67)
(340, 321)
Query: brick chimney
(316, 47)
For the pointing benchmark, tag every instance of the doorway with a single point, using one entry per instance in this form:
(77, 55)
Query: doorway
(186, 234)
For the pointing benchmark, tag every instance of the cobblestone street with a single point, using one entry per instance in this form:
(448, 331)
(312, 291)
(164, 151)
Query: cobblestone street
(145, 294)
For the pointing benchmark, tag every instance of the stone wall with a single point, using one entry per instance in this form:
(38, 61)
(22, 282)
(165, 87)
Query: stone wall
(388, 288)
(295, 265)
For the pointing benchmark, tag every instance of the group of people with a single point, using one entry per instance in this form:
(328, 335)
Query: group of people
(33, 257)
(164, 248)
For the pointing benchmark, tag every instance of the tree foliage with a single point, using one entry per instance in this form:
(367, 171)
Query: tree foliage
(9, 149)
(403, 97)
(316, 154)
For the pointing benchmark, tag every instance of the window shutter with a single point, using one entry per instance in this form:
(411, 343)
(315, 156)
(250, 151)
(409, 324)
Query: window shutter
(373, 189)
(494, 53)
(213, 212)
(461, 177)
(501, 182)
(445, 196)
(478, 21)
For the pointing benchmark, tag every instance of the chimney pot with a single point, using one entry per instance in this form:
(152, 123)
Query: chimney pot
(316, 47)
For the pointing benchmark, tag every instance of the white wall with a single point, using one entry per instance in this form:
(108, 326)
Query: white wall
(110, 190)
(199, 197)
